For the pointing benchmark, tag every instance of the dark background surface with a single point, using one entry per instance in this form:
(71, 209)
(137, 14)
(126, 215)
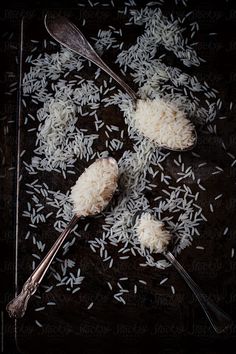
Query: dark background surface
(145, 330)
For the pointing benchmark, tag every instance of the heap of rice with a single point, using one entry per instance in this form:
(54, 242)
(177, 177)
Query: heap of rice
(152, 233)
(163, 123)
(95, 187)
(59, 78)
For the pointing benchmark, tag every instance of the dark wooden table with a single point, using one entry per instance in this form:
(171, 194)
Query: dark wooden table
(112, 328)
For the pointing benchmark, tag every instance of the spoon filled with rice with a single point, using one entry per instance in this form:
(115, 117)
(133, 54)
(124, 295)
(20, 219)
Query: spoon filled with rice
(158, 120)
(153, 235)
(90, 195)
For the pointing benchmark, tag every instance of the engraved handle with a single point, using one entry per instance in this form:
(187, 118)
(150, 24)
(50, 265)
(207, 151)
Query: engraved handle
(219, 320)
(16, 308)
(67, 34)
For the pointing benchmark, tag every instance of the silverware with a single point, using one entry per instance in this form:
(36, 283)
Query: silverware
(16, 308)
(219, 320)
(68, 35)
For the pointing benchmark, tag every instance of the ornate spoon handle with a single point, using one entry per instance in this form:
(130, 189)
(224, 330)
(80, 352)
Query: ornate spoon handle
(217, 317)
(66, 33)
(16, 308)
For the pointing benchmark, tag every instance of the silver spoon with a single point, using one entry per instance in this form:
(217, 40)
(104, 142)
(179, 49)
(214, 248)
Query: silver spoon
(16, 308)
(219, 320)
(68, 35)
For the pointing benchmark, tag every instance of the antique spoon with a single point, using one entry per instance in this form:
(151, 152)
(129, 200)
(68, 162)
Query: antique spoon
(68, 35)
(153, 235)
(90, 195)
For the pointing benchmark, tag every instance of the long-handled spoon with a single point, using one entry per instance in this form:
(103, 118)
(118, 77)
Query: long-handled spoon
(153, 235)
(90, 195)
(68, 35)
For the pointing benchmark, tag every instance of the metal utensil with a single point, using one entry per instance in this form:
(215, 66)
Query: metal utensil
(68, 35)
(16, 308)
(219, 320)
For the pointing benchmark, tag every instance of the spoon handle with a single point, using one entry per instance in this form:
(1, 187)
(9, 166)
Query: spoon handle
(67, 34)
(16, 308)
(219, 320)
